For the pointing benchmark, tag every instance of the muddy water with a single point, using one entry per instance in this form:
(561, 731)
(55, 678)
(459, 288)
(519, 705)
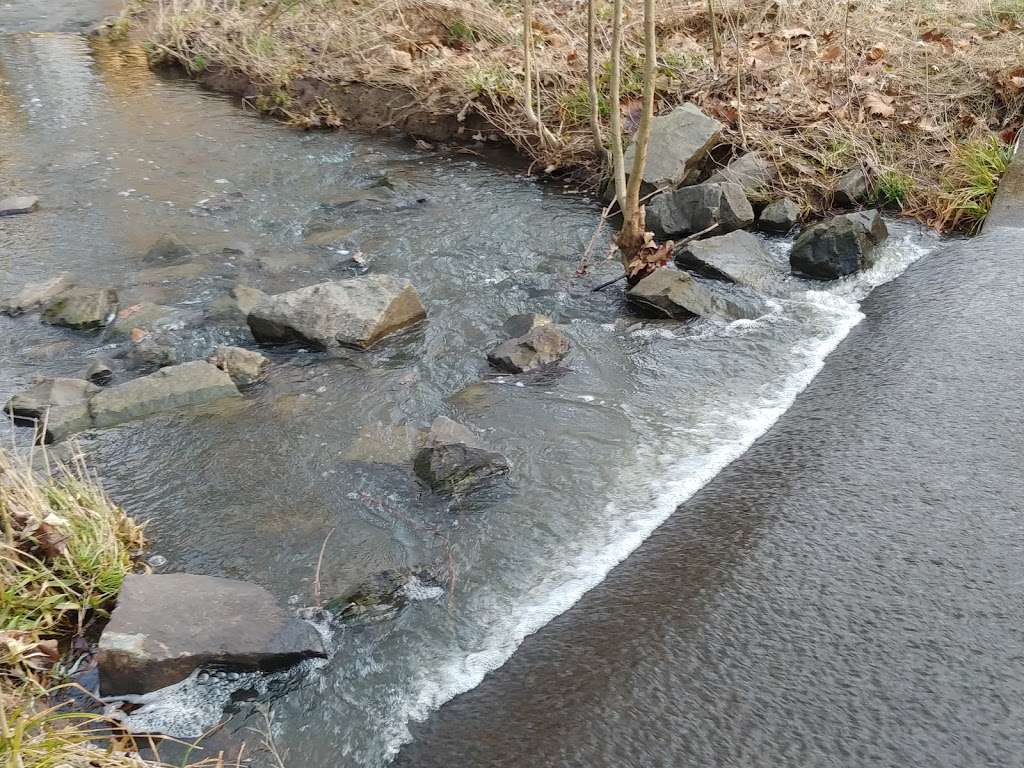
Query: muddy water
(649, 412)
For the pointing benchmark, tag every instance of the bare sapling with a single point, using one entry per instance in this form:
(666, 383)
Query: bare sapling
(547, 138)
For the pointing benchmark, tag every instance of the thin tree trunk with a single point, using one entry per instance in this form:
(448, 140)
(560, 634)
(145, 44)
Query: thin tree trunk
(595, 106)
(716, 41)
(615, 108)
(546, 137)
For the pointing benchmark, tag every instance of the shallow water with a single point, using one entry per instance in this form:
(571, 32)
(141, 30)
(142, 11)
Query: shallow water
(649, 412)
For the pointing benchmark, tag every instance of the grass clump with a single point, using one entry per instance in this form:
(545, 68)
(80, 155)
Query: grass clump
(893, 190)
(972, 181)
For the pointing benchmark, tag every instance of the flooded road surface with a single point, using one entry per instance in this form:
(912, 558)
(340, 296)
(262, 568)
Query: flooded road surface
(602, 455)
(848, 592)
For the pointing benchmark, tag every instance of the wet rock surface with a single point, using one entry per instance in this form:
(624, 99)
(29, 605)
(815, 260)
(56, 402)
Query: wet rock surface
(693, 209)
(168, 251)
(244, 366)
(18, 204)
(838, 247)
(99, 372)
(779, 217)
(383, 596)
(676, 294)
(164, 626)
(542, 346)
(57, 408)
(452, 459)
(738, 257)
(35, 295)
(520, 325)
(358, 312)
(679, 146)
(82, 308)
(386, 444)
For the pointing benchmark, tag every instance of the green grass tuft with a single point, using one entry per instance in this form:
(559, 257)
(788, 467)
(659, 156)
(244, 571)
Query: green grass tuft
(971, 181)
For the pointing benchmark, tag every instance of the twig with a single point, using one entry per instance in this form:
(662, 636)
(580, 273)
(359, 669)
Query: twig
(319, 563)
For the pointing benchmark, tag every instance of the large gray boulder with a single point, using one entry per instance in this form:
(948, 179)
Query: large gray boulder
(693, 209)
(34, 295)
(82, 308)
(169, 389)
(57, 408)
(12, 206)
(164, 626)
(840, 246)
(752, 171)
(544, 345)
(679, 146)
(738, 257)
(357, 312)
(453, 460)
(671, 293)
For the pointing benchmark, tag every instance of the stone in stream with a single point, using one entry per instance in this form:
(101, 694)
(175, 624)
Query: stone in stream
(679, 146)
(671, 293)
(150, 352)
(99, 372)
(752, 171)
(12, 206)
(168, 251)
(34, 295)
(172, 388)
(851, 189)
(235, 305)
(145, 315)
(542, 346)
(357, 312)
(738, 257)
(57, 408)
(779, 216)
(690, 210)
(840, 246)
(244, 366)
(82, 308)
(453, 460)
(384, 595)
(520, 325)
(386, 444)
(166, 625)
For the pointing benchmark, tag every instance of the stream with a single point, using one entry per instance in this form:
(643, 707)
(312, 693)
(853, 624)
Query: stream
(649, 413)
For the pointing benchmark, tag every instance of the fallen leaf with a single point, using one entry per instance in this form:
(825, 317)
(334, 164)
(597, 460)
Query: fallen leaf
(792, 32)
(875, 52)
(831, 53)
(879, 104)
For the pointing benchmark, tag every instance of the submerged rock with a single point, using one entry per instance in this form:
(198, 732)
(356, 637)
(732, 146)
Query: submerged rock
(168, 389)
(235, 305)
(752, 171)
(244, 366)
(851, 189)
(35, 295)
(679, 146)
(542, 346)
(384, 595)
(693, 209)
(840, 246)
(145, 315)
(520, 325)
(453, 460)
(150, 353)
(358, 312)
(672, 293)
(164, 626)
(168, 251)
(738, 257)
(12, 206)
(386, 444)
(57, 408)
(82, 308)
(779, 216)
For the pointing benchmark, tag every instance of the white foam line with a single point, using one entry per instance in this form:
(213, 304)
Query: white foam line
(590, 569)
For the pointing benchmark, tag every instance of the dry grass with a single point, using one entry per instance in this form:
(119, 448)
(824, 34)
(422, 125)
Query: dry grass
(819, 86)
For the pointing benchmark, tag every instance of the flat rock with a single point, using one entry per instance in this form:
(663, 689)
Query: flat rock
(779, 216)
(851, 189)
(171, 388)
(34, 295)
(752, 171)
(840, 246)
(386, 444)
(738, 257)
(12, 206)
(166, 625)
(671, 293)
(57, 408)
(453, 460)
(82, 308)
(693, 209)
(542, 346)
(679, 146)
(168, 251)
(244, 366)
(358, 312)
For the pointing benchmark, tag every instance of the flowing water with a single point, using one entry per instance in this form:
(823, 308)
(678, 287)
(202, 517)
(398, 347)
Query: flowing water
(649, 412)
